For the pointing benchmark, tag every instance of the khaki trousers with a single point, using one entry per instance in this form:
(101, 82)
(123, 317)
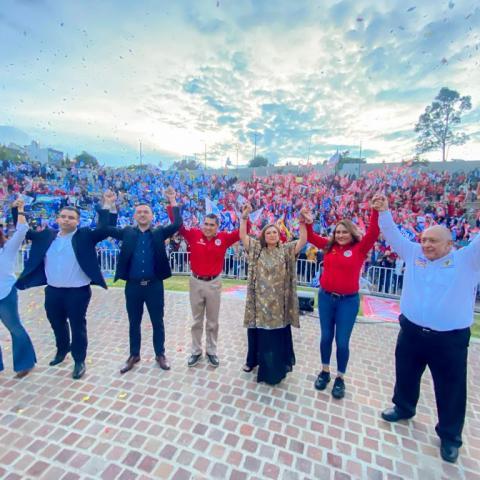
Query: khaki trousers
(205, 302)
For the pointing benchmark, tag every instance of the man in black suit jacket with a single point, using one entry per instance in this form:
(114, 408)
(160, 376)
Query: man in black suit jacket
(66, 261)
(144, 264)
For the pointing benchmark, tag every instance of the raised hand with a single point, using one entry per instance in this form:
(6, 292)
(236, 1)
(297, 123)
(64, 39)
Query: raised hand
(171, 195)
(19, 203)
(306, 214)
(246, 210)
(109, 198)
(379, 202)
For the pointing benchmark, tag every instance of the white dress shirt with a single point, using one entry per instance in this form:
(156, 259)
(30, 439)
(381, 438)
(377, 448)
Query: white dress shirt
(8, 258)
(61, 266)
(437, 294)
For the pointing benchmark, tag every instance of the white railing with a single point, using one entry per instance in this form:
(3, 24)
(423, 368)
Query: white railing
(234, 266)
(385, 281)
(380, 280)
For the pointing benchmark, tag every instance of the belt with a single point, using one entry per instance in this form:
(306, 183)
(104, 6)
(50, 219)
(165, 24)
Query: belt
(405, 322)
(204, 278)
(339, 295)
(144, 281)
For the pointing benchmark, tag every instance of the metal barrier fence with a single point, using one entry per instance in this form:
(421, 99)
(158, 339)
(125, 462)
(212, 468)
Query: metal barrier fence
(234, 266)
(380, 280)
(384, 280)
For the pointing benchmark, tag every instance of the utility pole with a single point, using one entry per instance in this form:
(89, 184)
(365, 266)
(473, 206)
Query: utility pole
(236, 145)
(309, 144)
(360, 159)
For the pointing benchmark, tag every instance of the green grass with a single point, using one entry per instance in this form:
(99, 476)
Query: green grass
(476, 326)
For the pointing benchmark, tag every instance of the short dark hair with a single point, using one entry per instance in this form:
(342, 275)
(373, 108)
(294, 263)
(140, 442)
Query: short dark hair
(213, 217)
(143, 204)
(71, 209)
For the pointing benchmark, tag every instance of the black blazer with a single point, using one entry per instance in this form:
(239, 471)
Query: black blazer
(83, 243)
(129, 237)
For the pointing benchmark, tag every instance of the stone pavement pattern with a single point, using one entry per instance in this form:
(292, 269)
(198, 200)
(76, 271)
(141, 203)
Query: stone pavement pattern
(202, 423)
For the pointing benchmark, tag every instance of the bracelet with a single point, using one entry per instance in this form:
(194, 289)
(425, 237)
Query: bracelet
(21, 213)
(244, 218)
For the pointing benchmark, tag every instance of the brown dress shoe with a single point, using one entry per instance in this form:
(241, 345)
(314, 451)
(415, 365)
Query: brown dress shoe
(162, 362)
(131, 361)
(23, 373)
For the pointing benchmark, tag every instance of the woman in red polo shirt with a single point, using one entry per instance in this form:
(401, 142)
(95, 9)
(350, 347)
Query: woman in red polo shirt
(338, 301)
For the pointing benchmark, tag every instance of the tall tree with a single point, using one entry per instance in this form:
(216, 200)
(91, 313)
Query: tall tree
(84, 159)
(435, 125)
(258, 161)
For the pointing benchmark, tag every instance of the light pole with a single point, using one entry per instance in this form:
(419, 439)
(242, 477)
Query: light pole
(360, 159)
(309, 144)
(205, 156)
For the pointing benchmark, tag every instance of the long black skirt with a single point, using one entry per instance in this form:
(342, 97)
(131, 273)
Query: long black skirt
(272, 351)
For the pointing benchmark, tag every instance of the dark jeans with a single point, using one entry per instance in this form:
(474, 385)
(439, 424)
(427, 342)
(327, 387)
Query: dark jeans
(337, 318)
(22, 348)
(445, 354)
(62, 304)
(136, 295)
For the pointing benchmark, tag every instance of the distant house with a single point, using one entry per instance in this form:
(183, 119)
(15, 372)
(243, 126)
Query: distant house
(43, 155)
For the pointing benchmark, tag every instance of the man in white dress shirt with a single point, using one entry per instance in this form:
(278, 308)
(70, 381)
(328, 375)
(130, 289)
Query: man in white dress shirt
(436, 305)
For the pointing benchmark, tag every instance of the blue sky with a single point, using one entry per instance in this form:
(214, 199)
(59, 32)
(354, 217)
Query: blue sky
(302, 77)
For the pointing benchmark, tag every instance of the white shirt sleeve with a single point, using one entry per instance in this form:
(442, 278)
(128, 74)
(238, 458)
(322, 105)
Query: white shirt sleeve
(15, 241)
(471, 253)
(402, 246)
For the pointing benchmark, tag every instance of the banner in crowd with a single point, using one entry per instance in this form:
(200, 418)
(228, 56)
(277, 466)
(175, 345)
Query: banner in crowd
(380, 309)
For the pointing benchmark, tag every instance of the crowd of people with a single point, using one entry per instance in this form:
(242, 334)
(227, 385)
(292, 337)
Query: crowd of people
(342, 216)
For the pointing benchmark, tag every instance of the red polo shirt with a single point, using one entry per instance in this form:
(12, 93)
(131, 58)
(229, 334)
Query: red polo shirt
(342, 265)
(206, 256)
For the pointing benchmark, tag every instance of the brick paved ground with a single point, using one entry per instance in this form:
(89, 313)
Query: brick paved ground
(204, 423)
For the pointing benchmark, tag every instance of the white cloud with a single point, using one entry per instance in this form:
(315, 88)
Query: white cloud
(191, 73)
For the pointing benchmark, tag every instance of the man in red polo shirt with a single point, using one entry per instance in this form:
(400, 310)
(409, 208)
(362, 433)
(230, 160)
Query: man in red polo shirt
(207, 248)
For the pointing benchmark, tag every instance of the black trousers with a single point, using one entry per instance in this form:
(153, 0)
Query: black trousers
(151, 295)
(445, 354)
(64, 306)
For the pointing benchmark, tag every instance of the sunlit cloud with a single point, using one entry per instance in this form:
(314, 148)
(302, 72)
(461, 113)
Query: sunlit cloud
(289, 80)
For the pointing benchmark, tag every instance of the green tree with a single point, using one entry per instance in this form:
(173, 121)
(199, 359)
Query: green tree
(86, 160)
(258, 161)
(186, 164)
(435, 125)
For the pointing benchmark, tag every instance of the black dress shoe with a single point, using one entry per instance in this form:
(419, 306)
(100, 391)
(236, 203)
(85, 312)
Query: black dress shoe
(78, 370)
(194, 359)
(59, 358)
(131, 361)
(213, 360)
(393, 414)
(448, 452)
(322, 380)
(162, 362)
